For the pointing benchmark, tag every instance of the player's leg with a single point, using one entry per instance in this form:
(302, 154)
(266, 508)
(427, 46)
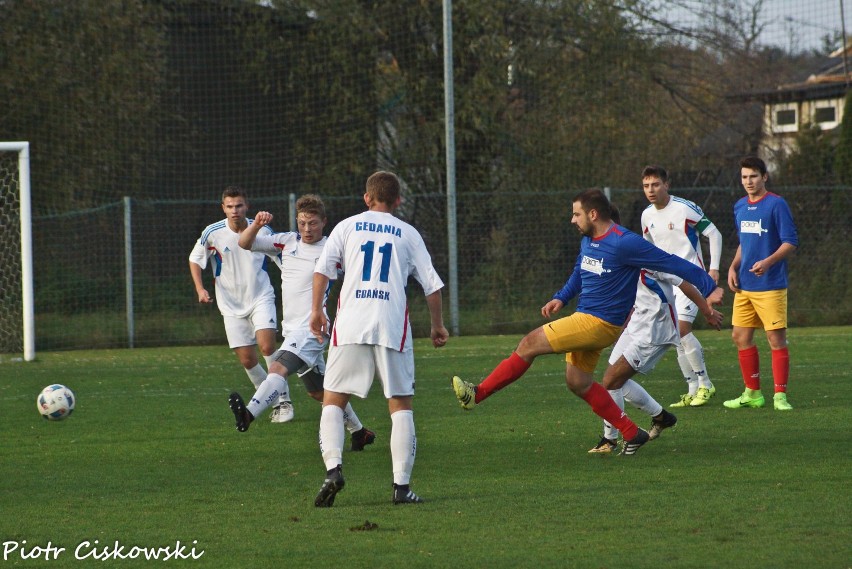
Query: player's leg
(508, 371)
(693, 352)
(313, 379)
(349, 372)
(241, 339)
(771, 306)
(578, 377)
(609, 441)
(744, 320)
(396, 372)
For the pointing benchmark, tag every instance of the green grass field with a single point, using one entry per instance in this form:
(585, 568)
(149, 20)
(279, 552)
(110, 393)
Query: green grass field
(150, 457)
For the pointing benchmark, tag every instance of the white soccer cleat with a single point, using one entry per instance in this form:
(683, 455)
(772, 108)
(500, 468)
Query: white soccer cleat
(285, 413)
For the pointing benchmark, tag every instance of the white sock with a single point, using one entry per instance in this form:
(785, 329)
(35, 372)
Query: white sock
(331, 435)
(256, 374)
(273, 387)
(351, 420)
(403, 445)
(686, 369)
(695, 355)
(611, 432)
(269, 360)
(636, 395)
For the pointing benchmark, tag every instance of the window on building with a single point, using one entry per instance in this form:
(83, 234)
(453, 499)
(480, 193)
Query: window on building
(785, 117)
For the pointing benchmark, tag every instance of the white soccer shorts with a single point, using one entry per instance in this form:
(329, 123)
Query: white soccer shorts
(641, 356)
(241, 331)
(352, 367)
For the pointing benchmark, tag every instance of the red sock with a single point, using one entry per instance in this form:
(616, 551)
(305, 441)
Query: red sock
(505, 373)
(602, 404)
(781, 369)
(750, 367)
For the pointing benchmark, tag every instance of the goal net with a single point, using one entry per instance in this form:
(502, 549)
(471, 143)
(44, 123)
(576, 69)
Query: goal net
(16, 285)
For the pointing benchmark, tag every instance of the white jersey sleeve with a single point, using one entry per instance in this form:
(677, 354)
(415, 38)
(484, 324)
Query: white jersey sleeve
(240, 278)
(377, 253)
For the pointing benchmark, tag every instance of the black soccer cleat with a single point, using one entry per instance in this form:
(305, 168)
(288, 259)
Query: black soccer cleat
(332, 484)
(241, 414)
(664, 420)
(634, 444)
(402, 494)
(362, 438)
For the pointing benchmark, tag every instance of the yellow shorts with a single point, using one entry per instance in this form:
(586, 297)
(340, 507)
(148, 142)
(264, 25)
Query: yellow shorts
(582, 337)
(764, 309)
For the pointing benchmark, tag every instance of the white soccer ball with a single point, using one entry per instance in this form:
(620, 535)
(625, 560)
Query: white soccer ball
(55, 402)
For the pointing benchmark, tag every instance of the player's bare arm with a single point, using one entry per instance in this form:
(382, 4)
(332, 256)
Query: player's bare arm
(760, 267)
(319, 323)
(439, 333)
(714, 317)
(733, 279)
(249, 234)
(203, 295)
(552, 307)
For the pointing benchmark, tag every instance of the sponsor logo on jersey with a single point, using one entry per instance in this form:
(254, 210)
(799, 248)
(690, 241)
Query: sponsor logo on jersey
(592, 265)
(378, 228)
(752, 227)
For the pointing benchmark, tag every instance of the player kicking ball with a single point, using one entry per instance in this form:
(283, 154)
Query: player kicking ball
(301, 351)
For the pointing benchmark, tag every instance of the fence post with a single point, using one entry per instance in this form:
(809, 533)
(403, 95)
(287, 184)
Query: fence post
(128, 272)
(449, 127)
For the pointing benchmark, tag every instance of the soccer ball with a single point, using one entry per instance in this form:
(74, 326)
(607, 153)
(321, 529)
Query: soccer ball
(55, 402)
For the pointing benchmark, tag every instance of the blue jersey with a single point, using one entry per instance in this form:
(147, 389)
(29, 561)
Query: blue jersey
(607, 270)
(763, 226)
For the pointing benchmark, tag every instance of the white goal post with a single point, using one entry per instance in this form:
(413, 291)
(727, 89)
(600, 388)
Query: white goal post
(24, 199)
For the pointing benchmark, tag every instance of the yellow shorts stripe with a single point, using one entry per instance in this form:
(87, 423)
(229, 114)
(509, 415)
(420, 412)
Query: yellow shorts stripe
(582, 338)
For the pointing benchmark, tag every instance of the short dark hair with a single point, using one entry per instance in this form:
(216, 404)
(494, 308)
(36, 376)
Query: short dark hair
(754, 163)
(234, 192)
(614, 214)
(594, 199)
(311, 203)
(383, 187)
(655, 171)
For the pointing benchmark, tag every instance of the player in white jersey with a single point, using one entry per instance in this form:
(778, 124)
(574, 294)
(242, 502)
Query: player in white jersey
(649, 333)
(300, 352)
(371, 332)
(244, 294)
(674, 224)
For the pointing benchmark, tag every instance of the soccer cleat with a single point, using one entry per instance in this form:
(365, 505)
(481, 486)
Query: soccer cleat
(779, 401)
(362, 438)
(746, 400)
(685, 401)
(634, 444)
(465, 392)
(702, 397)
(402, 494)
(273, 415)
(241, 414)
(664, 420)
(332, 484)
(285, 412)
(606, 446)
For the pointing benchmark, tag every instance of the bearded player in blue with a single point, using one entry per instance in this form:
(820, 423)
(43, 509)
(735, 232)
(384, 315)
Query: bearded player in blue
(604, 277)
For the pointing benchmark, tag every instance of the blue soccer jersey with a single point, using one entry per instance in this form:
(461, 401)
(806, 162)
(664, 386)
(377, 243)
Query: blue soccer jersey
(763, 226)
(607, 270)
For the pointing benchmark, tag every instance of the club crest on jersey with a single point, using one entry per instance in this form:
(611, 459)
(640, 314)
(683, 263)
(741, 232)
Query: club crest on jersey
(671, 226)
(752, 227)
(592, 265)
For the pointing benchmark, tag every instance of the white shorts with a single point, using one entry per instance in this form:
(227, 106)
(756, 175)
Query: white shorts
(686, 309)
(310, 351)
(352, 367)
(241, 331)
(641, 356)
